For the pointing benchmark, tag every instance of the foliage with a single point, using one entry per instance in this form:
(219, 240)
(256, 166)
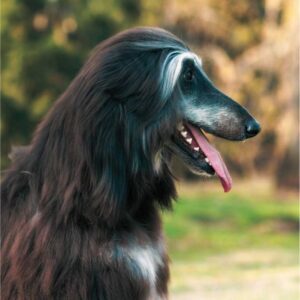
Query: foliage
(44, 44)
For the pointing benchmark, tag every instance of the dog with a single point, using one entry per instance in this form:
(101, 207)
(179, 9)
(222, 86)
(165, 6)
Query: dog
(80, 204)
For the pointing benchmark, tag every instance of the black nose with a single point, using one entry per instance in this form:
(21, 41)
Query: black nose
(252, 128)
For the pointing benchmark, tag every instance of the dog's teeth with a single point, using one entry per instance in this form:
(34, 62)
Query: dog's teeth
(207, 160)
(189, 140)
(196, 148)
(184, 133)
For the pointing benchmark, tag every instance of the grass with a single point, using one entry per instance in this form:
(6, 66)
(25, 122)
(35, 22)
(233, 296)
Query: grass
(225, 245)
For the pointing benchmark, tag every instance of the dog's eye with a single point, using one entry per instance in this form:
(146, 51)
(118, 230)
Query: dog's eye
(189, 75)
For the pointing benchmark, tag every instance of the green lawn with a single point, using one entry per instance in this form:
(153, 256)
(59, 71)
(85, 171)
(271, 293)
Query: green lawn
(239, 245)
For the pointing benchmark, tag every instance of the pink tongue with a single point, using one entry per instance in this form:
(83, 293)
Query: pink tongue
(214, 157)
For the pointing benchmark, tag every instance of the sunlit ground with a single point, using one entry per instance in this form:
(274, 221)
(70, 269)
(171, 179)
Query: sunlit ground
(240, 245)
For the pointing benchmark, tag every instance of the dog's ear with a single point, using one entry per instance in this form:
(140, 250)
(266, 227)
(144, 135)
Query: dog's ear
(108, 198)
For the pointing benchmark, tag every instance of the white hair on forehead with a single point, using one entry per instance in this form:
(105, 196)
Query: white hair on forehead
(172, 64)
(172, 68)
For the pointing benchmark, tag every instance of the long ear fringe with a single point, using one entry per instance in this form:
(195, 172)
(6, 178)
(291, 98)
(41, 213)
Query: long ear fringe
(108, 198)
(79, 171)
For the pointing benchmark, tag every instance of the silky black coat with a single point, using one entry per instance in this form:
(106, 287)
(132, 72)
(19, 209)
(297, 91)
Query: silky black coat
(80, 205)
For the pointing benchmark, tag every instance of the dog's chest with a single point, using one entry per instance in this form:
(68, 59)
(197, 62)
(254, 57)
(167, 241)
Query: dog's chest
(144, 260)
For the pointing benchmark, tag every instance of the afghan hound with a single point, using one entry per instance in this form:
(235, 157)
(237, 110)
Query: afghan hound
(81, 203)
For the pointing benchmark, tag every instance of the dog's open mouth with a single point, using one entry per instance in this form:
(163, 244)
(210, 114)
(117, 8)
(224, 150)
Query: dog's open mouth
(195, 149)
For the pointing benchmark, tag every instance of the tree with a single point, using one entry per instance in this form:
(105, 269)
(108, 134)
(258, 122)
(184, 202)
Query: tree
(44, 43)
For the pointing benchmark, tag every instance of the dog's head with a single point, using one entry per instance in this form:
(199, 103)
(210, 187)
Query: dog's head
(204, 108)
(167, 101)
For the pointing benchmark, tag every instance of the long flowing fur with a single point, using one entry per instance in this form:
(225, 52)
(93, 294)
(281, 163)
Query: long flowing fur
(93, 177)
(80, 204)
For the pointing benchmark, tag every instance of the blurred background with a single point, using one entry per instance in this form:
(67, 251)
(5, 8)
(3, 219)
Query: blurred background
(241, 245)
